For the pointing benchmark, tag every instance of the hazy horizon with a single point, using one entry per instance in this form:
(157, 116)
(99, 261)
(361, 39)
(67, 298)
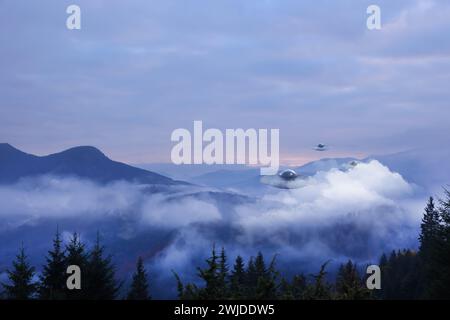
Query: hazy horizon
(292, 163)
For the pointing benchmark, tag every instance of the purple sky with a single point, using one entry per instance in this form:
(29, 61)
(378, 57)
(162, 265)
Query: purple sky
(137, 70)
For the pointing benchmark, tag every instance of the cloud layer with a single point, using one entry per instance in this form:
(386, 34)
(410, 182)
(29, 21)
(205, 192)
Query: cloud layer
(356, 214)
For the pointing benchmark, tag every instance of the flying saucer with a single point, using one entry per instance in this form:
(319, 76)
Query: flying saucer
(288, 175)
(286, 179)
(320, 147)
(350, 165)
(353, 163)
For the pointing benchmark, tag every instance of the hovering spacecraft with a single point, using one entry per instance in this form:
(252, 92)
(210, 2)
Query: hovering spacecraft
(286, 179)
(350, 165)
(353, 163)
(288, 175)
(320, 147)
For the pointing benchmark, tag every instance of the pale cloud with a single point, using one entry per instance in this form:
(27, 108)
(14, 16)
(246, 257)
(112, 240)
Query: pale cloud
(331, 195)
(157, 210)
(357, 214)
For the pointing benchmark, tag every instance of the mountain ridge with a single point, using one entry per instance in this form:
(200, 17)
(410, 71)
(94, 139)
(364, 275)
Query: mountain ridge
(81, 161)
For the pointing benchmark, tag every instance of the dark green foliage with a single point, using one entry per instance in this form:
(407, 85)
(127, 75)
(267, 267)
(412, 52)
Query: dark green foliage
(251, 279)
(21, 286)
(139, 286)
(223, 274)
(188, 292)
(97, 271)
(76, 255)
(97, 274)
(349, 285)
(100, 275)
(320, 289)
(257, 281)
(425, 274)
(383, 260)
(238, 279)
(400, 276)
(298, 287)
(266, 285)
(212, 277)
(437, 254)
(430, 229)
(53, 279)
(294, 290)
(430, 243)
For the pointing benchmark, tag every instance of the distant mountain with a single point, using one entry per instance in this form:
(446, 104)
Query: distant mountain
(326, 164)
(187, 172)
(248, 180)
(226, 178)
(428, 168)
(84, 162)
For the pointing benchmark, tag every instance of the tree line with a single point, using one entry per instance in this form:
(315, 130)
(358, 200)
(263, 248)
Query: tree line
(258, 280)
(424, 274)
(99, 280)
(405, 274)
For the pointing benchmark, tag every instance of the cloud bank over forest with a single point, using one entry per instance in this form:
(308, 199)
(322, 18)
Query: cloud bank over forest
(338, 215)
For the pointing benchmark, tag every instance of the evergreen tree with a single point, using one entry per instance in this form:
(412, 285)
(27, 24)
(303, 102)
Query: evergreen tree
(266, 284)
(429, 244)
(430, 229)
(383, 260)
(445, 254)
(295, 290)
(251, 279)
(212, 278)
(384, 268)
(286, 290)
(439, 262)
(444, 208)
(53, 278)
(256, 282)
(237, 280)
(100, 274)
(260, 266)
(139, 286)
(188, 292)
(223, 274)
(319, 289)
(348, 283)
(298, 287)
(21, 286)
(400, 277)
(76, 255)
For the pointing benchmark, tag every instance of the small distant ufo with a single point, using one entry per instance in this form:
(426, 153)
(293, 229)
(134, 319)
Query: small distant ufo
(353, 163)
(286, 179)
(288, 175)
(320, 147)
(350, 165)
